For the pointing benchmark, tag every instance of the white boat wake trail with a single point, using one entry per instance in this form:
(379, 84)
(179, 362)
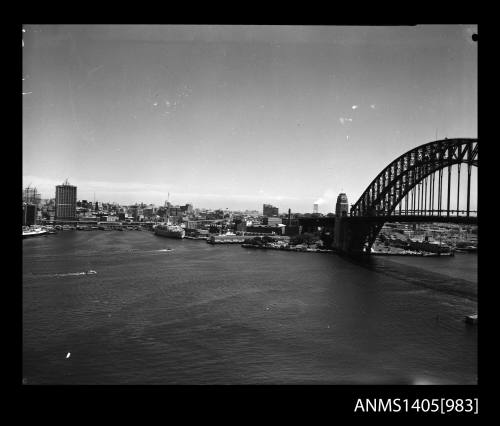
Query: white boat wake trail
(69, 274)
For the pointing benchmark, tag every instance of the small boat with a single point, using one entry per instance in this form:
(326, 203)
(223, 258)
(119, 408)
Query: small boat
(471, 319)
(90, 272)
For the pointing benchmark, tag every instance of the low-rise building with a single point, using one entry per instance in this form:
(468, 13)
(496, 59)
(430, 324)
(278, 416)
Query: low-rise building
(265, 229)
(272, 221)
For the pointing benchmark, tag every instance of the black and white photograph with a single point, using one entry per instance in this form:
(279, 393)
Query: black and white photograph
(250, 205)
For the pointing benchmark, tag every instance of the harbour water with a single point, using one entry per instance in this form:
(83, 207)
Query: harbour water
(167, 311)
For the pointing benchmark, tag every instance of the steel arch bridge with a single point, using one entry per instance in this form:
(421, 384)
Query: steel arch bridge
(406, 190)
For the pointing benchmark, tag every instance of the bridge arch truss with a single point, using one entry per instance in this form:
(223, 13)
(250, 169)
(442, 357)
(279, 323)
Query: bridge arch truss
(407, 186)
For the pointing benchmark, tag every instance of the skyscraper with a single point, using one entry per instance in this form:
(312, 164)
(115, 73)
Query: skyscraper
(315, 208)
(65, 201)
(31, 200)
(342, 206)
(29, 214)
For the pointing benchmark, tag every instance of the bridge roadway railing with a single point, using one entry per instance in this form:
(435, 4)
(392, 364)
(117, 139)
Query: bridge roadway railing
(431, 213)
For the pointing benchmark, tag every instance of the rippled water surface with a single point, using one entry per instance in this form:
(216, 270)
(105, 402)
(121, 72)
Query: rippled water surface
(165, 311)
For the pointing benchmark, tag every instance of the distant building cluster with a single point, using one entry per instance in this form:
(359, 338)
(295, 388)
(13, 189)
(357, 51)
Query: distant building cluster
(66, 209)
(426, 237)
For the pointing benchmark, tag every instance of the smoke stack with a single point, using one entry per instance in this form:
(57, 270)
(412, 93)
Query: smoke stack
(289, 217)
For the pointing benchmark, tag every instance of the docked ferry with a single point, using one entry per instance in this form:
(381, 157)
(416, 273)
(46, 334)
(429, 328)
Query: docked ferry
(171, 231)
(33, 232)
(227, 238)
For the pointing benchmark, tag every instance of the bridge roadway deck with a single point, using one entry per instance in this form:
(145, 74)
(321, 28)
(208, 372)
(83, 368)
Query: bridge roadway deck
(329, 222)
(471, 220)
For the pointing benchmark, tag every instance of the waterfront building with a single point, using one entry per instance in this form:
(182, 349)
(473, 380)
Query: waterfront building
(31, 202)
(241, 225)
(198, 224)
(265, 229)
(149, 212)
(293, 230)
(134, 212)
(217, 214)
(272, 221)
(171, 210)
(65, 201)
(269, 210)
(342, 206)
(174, 211)
(29, 214)
(31, 196)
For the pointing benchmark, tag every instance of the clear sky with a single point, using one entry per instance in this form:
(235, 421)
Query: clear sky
(237, 116)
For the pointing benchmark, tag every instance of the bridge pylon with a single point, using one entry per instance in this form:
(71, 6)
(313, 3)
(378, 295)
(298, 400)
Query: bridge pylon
(356, 235)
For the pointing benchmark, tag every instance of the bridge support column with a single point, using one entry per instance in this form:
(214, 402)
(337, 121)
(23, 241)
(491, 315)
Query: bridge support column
(354, 235)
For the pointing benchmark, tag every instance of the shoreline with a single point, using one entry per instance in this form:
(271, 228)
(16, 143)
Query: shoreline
(305, 250)
(422, 254)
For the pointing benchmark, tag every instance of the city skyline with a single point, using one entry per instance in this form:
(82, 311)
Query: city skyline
(237, 116)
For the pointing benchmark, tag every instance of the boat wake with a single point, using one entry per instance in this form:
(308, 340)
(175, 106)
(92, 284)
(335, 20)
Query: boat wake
(69, 274)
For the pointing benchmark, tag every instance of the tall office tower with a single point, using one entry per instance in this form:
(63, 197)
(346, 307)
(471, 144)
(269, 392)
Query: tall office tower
(315, 208)
(269, 210)
(29, 214)
(65, 201)
(31, 201)
(342, 206)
